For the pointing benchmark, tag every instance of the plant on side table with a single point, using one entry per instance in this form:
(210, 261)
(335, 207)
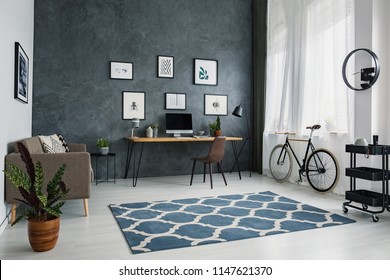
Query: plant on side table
(42, 209)
(104, 145)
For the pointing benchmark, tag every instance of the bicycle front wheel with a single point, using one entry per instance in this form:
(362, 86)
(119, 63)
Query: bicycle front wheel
(322, 170)
(280, 163)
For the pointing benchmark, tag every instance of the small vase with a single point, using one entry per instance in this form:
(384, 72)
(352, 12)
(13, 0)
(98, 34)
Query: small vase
(149, 132)
(155, 133)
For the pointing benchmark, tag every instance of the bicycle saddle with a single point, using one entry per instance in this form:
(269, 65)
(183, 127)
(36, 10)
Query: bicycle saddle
(314, 127)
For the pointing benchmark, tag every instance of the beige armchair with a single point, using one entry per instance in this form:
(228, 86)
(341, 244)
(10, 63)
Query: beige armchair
(77, 176)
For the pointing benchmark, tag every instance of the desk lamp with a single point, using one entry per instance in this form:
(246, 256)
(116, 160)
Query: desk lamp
(238, 113)
(134, 124)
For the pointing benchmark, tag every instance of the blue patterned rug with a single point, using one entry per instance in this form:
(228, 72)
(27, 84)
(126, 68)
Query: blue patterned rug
(160, 225)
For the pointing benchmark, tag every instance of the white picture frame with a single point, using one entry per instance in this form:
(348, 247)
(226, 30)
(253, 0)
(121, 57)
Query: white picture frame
(215, 104)
(175, 101)
(133, 105)
(205, 72)
(121, 70)
(165, 67)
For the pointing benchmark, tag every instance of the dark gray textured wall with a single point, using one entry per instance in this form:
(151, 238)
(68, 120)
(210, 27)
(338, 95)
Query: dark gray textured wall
(74, 41)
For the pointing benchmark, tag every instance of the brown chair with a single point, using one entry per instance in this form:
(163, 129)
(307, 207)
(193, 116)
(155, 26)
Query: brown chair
(215, 155)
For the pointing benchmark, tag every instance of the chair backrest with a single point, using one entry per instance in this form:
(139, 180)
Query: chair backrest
(217, 149)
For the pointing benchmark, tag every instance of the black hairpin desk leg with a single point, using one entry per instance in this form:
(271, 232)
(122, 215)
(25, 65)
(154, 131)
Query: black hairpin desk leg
(135, 173)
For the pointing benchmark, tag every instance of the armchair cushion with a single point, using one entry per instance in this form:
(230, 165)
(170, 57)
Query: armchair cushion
(52, 144)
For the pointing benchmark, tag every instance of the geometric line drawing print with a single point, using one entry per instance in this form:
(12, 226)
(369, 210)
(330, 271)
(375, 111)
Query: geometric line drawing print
(165, 67)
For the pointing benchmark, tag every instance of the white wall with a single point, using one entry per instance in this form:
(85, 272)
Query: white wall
(16, 25)
(380, 38)
(371, 106)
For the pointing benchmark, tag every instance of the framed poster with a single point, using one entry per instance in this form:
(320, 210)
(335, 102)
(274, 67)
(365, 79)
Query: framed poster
(21, 74)
(175, 101)
(121, 70)
(133, 105)
(205, 72)
(165, 66)
(215, 104)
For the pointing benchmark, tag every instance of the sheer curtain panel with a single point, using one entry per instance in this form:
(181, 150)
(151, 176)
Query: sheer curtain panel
(307, 43)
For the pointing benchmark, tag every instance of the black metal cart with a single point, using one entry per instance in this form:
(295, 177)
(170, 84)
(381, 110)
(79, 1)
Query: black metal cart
(368, 198)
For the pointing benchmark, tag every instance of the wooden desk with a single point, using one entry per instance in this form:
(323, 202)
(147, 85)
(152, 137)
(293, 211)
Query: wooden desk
(142, 140)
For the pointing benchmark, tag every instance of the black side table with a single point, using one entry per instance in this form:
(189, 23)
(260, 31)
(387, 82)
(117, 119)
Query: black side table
(107, 157)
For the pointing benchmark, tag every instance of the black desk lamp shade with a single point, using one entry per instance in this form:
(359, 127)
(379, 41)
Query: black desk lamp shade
(238, 111)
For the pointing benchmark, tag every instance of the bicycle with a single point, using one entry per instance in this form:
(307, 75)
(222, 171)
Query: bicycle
(320, 167)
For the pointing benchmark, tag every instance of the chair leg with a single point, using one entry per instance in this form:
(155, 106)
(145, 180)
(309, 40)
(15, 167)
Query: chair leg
(204, 172)
(13, 213)
(220, 170)
(211, 174)
(192, 173)
(86, 209)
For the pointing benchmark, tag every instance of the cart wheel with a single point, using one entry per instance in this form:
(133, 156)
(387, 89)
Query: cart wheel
(365, 206)
(345, 209)
(375, 218)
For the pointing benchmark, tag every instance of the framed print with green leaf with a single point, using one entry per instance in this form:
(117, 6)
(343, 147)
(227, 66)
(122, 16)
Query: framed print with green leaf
(205, 72)
(133, 105)
(215, 104)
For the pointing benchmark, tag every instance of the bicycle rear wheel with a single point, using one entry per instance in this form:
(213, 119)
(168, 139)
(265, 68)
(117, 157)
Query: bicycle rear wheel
(322, 170)
(280, 163)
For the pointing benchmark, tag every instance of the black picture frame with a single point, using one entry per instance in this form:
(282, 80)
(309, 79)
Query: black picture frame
(205, 72)
(175, 101)
(21, 74)
(120, 70)
(165, 66)
(215, 105)
(133, 105)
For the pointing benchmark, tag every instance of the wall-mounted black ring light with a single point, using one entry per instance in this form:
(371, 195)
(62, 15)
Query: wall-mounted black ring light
(368, 74)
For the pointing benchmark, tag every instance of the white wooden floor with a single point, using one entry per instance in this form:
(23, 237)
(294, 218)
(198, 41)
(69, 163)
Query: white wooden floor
(98, 236)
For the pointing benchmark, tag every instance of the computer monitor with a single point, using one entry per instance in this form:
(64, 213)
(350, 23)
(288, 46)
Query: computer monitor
(178, 123)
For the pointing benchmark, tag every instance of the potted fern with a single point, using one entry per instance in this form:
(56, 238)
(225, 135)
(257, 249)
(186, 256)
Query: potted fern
(42, 206)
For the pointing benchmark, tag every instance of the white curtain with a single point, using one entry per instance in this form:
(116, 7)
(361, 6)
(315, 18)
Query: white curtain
(307, 43)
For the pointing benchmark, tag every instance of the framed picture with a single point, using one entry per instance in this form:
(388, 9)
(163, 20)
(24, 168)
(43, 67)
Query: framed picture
(165, 66)
(21, 73)
(121, 70)
(133, 105)
(205, 72)
(215, 104)
(175, 101)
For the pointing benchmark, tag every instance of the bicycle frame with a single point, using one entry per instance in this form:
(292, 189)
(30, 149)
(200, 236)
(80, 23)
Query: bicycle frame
(309, 147)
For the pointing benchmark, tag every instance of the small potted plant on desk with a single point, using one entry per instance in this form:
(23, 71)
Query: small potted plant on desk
(104, 145)
(215, 127)
(154, 126)
(42, 209)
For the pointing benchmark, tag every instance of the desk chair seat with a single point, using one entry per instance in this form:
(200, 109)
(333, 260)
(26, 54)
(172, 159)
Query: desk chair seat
(215, 155)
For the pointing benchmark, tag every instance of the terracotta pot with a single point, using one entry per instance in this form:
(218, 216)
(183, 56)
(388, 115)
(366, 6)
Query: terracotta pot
(43, 235)
(217, 133)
